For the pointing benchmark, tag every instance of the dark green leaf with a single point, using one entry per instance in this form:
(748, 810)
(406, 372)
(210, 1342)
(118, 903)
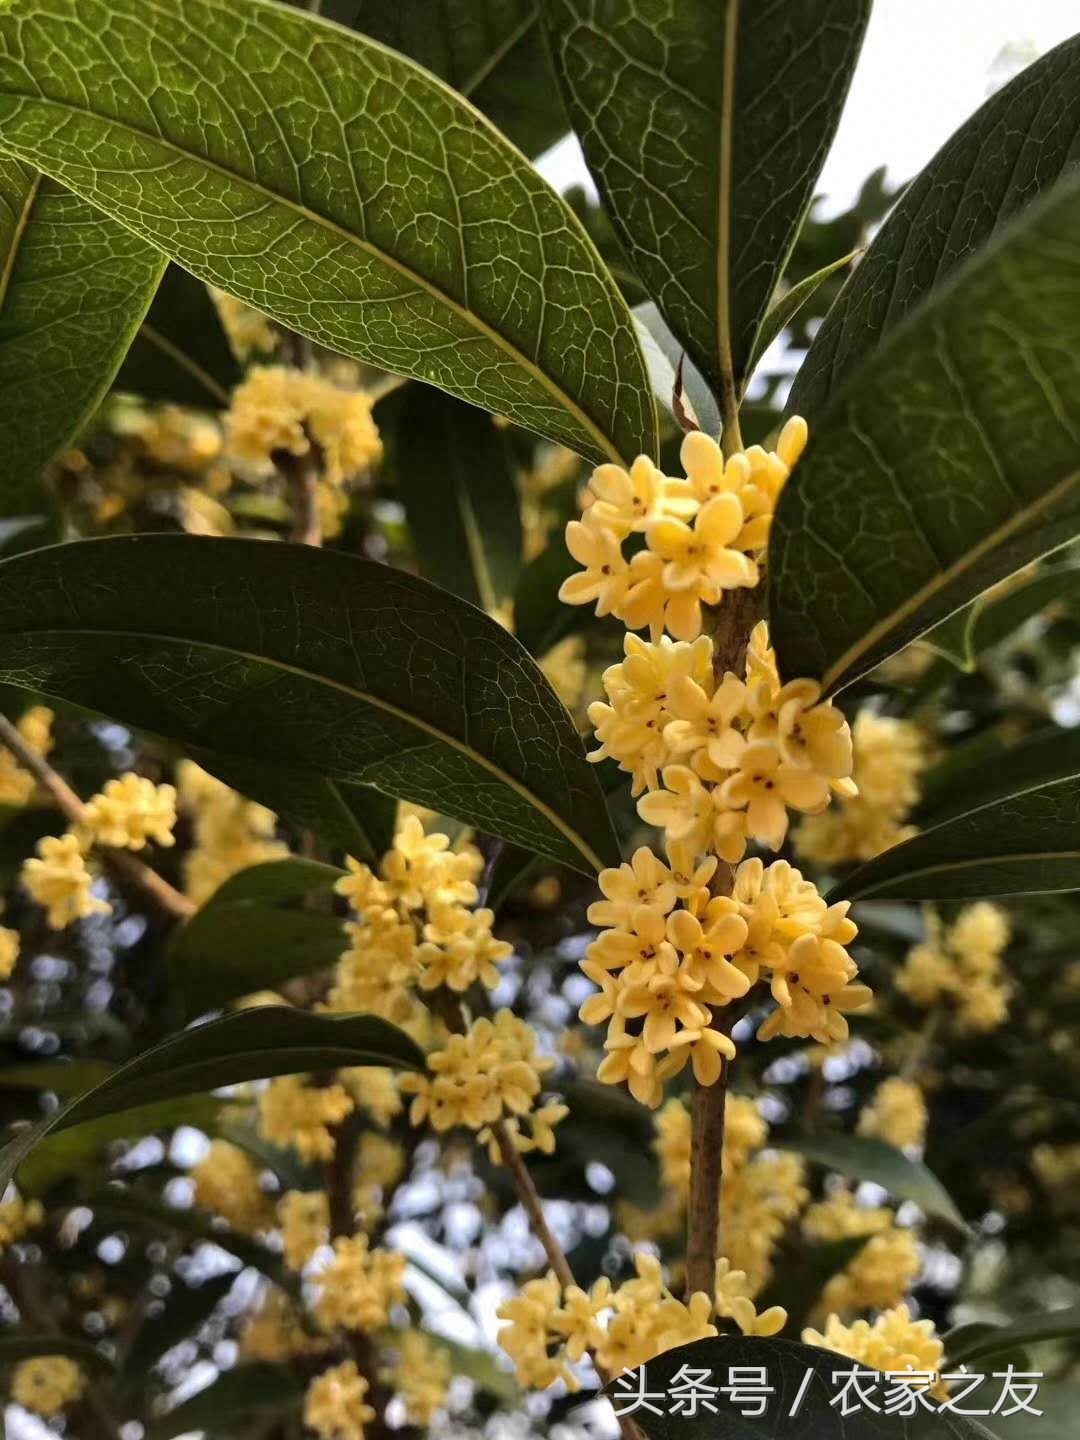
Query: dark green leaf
(14, 1348)
(1013, 147)
(1020, 842)
(234, 1397)
(355, 818)
(466, 271)
(1039, 759)
(996, 619)
(785, 307)
(74, 286)
(706, 124)
(243, 939)
(364, 672)
(181, 353)
(78, 1152)
(866, 1159)
(786, 1364)
(1029, 1330)
(185, 1308)
(248, 1045)
(541, 619)
(128, 1206)
(950, 461)
(491, 50)
(457, 479)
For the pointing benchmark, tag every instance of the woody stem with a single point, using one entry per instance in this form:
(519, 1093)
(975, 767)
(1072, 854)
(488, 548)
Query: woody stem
(135, 871)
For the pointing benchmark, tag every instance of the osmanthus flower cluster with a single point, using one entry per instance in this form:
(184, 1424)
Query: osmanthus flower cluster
(722, 759)
(959, 967)
(549, 1329)
(229, 832)
(881, 1273)
(47, 1385)
(671, 957)
(895, 1342)
(703, 532)
(127, 814)
(896, 1114)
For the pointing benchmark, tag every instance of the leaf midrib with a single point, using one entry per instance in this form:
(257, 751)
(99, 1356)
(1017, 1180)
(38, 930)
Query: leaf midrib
(942, 579)
(18, 235)
(354, 692)
(723, 200)
(947, 867)
(349, 237)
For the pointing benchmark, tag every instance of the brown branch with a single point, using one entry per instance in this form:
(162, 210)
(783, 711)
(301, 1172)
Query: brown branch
(127, 866)
(301, 476)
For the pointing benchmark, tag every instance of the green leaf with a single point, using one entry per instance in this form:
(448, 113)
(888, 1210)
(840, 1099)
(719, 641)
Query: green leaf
(992, 619)
(14, 1348)
(1047, 756)
(243, 939)
(785, 307)
(1015, 146)
(234, 1397)
(481, 1367)
(248, 1045)
(786, 1364)
(491, 50)
(74, 1153)
(1029, 1330)
(129, 1206)
(185, 1308)
(456, 476)
(74, 286)
(1021, 840)
(706, 124)
(268, 174)
(355, 818)
(541, 619)
(181, 353)
(950, 461)
(865, 1159)
(798, 1281)
(342, 665)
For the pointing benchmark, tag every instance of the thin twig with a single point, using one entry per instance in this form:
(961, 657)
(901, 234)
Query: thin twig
(129, 867)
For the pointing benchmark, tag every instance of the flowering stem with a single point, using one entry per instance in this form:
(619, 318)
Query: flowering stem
(135, 871)
(706, 1175)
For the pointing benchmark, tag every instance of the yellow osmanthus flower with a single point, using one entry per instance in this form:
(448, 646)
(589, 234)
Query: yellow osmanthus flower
(277, 409)
(304, 1219)
(895, 1343)
(664, 968)
(230, 833)
(291, 1112)
(895, 1114)
(359, 1286)
(459, 949)
(227, 1184)
(549, 1329)
(421, 1376)
(58, 879)
(492, 1072)
(889, 758)
(734, 1292)
(17, 785)
(961, 965)
(723, 759)
(9, 952)
(47, 1385)
(882, 1272)
(335, 1406)
(703, 533)
(128, 812)
(17, 1216)
(375, 1090)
